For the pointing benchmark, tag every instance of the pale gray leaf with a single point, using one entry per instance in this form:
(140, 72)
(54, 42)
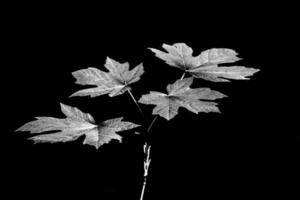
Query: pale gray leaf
(201, 93)
(167, 110)
(179, 86)
(206, 64)
(112, 91)
(92, 76)
(181, 95)
(107, 131)
(106, 135)
(75, 125)
(114, 82)
(73, 112)
(117, 70)
(221, 74)
(152, 98)
(178, 55)
(45, 124)
(197, 106)
(217, 56)
(135, 74)
(65, 136)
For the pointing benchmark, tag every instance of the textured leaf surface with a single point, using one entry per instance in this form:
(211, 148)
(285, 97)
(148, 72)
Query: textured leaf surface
(179, 95)
(75, 125)
(222, 74)
(178, 55)
(205, 65)
(114, 82)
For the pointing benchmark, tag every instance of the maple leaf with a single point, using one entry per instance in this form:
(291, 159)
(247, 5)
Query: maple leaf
(181, 95)
(114, 82)
(205, 65)
(75, 125)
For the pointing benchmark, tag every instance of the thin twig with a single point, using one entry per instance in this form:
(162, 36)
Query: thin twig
(182, 76)
(143, 190)
(150, 126)
(136, 103)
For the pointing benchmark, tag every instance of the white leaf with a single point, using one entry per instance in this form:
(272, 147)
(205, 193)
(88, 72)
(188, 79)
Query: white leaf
(181, 95)
(114, 82)
(206, 64)
(75, 125)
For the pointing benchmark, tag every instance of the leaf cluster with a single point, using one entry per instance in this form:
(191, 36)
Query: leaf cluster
(118, 78)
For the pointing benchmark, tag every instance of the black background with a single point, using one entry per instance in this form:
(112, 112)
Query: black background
(233, 154)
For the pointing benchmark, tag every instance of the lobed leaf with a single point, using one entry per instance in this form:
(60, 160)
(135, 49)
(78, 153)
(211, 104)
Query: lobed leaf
(179, 94)
(114, 82)
(179, 55)
(75, 125)
(205, 65)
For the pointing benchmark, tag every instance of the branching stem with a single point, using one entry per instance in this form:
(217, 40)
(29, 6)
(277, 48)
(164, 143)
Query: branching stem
(147, 149)
(147, 159)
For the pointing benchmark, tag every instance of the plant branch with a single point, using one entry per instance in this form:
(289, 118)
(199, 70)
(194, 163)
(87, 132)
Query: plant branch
(147, 161)
(147, 149)
(136, 103)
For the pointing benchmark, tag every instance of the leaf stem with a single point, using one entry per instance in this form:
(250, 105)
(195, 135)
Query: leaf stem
(183, 75)
(153, 121)
(136, 103)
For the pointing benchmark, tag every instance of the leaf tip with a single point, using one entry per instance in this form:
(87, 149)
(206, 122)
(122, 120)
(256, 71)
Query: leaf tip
(151, 49)
(18, 129)
(35, 140)
(75, 94)
(62, 105)
(109, 59)
(222, 95)
(255, 70)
